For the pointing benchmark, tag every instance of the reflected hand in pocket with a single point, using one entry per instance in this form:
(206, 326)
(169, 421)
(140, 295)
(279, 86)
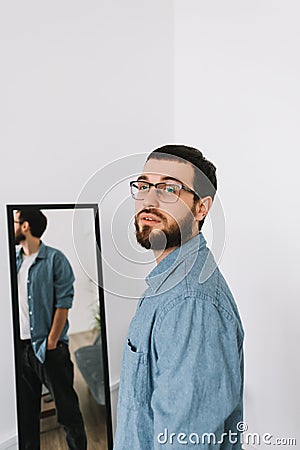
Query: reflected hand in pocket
(51, 345)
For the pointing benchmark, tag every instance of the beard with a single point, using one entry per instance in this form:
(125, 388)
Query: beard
(170, 236)
(19, 238)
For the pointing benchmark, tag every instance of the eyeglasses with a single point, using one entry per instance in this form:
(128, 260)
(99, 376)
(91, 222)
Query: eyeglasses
(17, 221)
(167, 192)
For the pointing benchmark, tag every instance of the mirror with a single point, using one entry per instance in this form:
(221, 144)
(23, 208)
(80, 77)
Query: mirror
(62, 381)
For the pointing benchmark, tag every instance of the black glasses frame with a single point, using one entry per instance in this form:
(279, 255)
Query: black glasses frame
(181, 186)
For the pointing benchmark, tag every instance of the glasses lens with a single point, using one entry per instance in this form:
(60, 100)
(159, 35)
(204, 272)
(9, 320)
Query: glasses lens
(168, 192)
(139, 189)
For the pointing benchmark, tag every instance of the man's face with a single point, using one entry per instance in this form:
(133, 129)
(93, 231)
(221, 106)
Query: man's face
(19, 237)
(161, 225)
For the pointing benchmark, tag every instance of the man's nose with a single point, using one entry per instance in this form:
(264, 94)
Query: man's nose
(151, 197)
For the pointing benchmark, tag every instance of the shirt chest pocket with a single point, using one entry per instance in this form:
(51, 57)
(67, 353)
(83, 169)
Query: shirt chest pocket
(134, 391)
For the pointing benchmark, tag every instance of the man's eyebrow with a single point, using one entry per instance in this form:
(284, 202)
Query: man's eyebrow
(146, 178)
(143, 177)
(171, 178)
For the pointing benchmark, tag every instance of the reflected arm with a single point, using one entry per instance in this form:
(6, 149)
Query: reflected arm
(59, 321)
(63, 292)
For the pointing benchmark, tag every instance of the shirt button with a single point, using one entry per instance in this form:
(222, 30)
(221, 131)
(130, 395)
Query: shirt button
(29, 296)
(30, 312)
(28, 281)
(31, 328)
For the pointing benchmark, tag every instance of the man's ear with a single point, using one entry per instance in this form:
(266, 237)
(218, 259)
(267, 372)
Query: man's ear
(203, 206)
(25, 226)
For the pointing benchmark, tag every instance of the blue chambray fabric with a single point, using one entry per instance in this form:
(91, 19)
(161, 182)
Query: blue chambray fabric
(50, 286)
(182, 366)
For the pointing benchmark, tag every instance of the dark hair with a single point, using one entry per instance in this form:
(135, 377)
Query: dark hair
(205, 180)
(36, 219)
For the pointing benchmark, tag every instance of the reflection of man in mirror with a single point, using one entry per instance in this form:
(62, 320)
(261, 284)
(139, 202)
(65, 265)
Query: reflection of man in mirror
(182, 367)
(45, 286)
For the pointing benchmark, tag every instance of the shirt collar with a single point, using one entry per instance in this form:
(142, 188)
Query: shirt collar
(41, 252)
(161, 272)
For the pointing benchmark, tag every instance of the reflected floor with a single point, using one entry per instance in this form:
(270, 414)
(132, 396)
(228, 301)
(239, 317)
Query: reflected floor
(94, 415)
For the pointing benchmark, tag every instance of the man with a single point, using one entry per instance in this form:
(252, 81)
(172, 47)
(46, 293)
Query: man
(45, 287)
(182, 368)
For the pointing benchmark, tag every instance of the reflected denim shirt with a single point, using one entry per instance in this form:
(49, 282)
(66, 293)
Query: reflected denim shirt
(50, 286)
(182, 366)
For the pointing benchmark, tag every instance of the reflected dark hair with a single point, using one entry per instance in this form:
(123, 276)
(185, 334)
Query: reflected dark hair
(36, 219)
(205, 180)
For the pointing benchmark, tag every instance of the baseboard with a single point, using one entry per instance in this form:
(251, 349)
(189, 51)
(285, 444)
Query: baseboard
(9, 444)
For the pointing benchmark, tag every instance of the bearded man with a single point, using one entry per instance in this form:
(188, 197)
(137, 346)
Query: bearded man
(182, 368)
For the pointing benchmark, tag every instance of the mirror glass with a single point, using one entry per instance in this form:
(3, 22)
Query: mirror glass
(62, 383)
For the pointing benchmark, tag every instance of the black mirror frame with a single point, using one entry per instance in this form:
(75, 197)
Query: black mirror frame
(15, 306)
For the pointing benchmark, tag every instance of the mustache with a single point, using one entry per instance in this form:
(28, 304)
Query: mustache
(151, 211)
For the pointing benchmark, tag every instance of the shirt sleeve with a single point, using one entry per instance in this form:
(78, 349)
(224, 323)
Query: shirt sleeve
(63, 282)
(198, 378)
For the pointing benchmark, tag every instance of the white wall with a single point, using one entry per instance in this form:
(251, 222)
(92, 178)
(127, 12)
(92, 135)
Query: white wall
(81, 85)
(237, 97)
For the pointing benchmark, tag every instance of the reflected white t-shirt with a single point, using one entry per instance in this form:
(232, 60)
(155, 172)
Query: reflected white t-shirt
(23, 295)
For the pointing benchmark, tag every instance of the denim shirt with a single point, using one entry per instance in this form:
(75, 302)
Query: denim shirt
(50, 286)
(182, 366)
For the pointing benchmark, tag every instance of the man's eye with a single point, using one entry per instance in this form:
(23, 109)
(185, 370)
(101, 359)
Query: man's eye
(143, 187)
(170, 188)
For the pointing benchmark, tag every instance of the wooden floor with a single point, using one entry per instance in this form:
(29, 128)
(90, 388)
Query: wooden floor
(94, 415)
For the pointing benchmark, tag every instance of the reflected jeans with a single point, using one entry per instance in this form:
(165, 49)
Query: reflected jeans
(58, 375)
